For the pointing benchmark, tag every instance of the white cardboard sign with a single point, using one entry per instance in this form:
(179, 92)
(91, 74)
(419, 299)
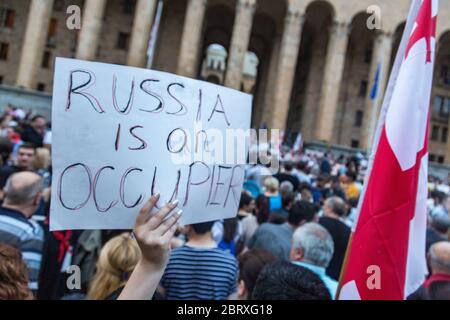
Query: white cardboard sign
(121, 134)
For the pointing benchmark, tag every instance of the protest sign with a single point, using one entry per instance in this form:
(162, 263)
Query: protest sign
(121, 134)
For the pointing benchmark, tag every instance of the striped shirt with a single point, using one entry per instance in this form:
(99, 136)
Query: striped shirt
(27, 236)
(200, 274)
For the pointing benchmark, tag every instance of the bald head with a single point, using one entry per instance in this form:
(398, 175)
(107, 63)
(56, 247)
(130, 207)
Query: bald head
(440, 258)
(22, 188)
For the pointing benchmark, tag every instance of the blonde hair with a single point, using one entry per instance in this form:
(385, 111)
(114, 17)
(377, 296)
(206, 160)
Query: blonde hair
(117, 259)
(42, 159)
(271, 184)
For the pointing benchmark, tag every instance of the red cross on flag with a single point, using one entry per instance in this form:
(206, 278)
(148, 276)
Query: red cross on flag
(386, 257)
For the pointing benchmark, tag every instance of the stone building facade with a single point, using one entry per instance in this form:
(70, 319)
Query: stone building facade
(317, 58)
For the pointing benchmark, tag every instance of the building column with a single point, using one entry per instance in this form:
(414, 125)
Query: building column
(242, 30)
(381, 57)
(91, 27)
(313, 86)
(140, 36)
(190, 42)
(285, 71)
(334, 68)
(34, 42)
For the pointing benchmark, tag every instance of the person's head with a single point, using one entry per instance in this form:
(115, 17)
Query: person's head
(287, 200)
(271, 184)
(247, 203)
(26, 155)
(286, 187)
(288, 167)
(262, 209)
(301, 166)
(439, 258)
(283, 280)
(306, 195)
(334, 207)
(301, 212)
(43, 159)
(351, 177)
(199, 229)
(250, 265)
(23, 191)
(441, 224)
(321, 181)
(230, 227)
(6, 148)
(313, 244)
(13, 275)
(117, 261)
(39, 124)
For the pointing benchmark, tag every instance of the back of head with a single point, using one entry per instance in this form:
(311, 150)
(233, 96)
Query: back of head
(285, 281)
(202, 228)
(301, 212)
(316, 242)
(288, 166)
(337, 206)
(13, 275)
(441, 223)
(21, 188)
(286, 187)
(245, 201)
(117, 260)
(271, 184)
(351, 176)
(263, 209)
(250, 265)
(439, 258)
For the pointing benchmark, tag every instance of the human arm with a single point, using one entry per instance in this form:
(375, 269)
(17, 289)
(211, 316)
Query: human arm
(153, 234)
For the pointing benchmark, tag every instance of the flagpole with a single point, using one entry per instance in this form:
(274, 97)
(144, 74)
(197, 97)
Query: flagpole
(412, 16)
(154, 34)
(375, 104)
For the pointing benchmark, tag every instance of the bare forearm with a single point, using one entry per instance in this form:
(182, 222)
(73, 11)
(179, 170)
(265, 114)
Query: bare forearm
(143, 282)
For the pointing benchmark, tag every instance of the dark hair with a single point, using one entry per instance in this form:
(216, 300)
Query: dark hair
(301, 165)
(301, 211)
(38, 116)
(287, 199)
(27, 145)
(229, 229)
(202, 228)
(351, 175)
(6, 148)
(283, 280)
(288, 166)
(250, 265)
(277, 218)
(440, 223)
(263, 208)
(246, 199)
(353, 202)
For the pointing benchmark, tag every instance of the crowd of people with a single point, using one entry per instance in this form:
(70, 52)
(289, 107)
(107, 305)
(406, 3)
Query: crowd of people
(288, 240)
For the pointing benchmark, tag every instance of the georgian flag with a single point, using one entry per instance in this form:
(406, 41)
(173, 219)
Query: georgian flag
(386, 257)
